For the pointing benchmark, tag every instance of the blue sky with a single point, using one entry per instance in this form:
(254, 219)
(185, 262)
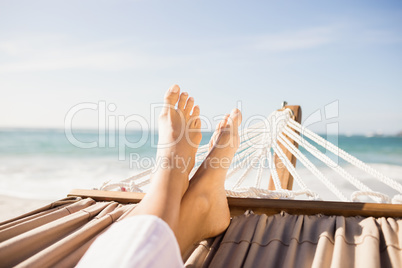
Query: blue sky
(56, 54)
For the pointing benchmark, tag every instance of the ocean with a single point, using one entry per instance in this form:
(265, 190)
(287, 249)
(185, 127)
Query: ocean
(45, 164)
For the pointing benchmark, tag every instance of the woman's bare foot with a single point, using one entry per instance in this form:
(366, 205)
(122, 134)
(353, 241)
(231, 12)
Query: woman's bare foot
(204, 208)
(218, 130)
(179, 137)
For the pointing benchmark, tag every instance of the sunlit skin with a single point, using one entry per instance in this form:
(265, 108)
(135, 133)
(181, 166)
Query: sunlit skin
(204, 210)
(197, 209)
(179, 137)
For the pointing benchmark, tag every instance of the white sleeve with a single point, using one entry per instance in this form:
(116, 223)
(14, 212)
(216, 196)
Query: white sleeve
(138, 241)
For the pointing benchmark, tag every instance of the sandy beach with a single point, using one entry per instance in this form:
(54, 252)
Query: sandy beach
(11, 207)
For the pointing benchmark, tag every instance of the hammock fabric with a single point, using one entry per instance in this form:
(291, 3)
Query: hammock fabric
(60, 233)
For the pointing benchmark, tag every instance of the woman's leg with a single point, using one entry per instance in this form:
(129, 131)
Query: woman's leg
(204, 210)
(147, 241)
(179, 137)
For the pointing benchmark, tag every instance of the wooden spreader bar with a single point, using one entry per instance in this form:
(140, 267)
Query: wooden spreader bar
(268, 206)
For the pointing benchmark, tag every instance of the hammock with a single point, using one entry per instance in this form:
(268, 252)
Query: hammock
(281, 233)
(265, 141)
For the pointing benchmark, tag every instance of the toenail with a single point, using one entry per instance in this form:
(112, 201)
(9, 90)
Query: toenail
(185, 93)
(174, 89)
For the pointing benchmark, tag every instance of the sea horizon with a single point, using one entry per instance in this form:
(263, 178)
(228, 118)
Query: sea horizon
(96, 130)
(43, 164)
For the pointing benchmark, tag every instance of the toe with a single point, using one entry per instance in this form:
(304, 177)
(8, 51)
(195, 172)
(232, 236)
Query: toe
(182, 100)
(197, 123)
(194, 118)
(218, 130)
(235, 118)
(223, 122)
(196, 130)
(196, 111)
(171, 97)
(189, 106)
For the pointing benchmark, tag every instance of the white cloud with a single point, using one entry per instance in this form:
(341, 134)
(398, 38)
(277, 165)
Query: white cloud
(47, 53)
(370, 36)
(96, 61)
(299, 40)
(343, 33)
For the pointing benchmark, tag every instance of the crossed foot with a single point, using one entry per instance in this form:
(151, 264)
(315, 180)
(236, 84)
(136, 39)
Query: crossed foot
(179, 136)
(197, 209)
(204, 204)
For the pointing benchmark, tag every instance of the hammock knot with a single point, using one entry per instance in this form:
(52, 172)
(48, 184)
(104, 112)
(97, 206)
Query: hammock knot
(382, 198)
(397, 199)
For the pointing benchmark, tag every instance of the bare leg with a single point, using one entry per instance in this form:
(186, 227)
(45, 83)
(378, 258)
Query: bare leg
(179, 137)
(204, 208)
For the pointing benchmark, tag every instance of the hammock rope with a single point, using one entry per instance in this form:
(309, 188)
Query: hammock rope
(259, 144)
